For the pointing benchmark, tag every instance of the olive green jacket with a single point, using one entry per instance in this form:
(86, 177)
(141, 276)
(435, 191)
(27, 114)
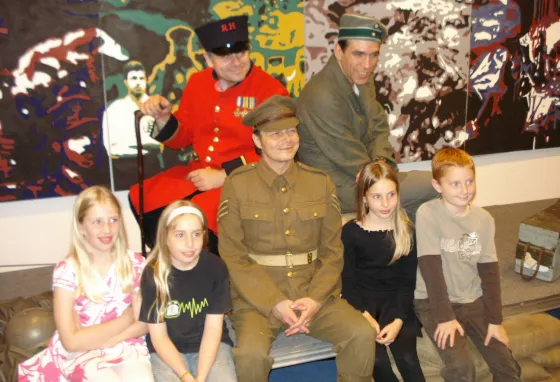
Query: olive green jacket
(264, 213)
(341, 131)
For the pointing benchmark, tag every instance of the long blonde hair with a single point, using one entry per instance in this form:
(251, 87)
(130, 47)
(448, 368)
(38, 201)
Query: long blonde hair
(89, 284)
(370, 174)
(159, 259)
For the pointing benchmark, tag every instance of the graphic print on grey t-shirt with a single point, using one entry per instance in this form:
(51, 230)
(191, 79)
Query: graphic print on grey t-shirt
(467, 247)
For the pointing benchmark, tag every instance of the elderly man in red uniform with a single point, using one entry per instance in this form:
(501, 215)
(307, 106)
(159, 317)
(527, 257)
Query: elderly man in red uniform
(209, 117)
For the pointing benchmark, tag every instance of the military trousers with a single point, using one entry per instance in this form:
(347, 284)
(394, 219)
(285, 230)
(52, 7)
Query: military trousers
(337, 322)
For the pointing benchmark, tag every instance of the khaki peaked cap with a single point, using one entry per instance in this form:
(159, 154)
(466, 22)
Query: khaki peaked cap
(275, 114)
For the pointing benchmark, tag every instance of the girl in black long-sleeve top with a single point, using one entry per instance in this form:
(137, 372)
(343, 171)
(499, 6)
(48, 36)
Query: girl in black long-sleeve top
(379, 273)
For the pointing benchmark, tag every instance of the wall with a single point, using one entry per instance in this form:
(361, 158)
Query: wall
(37, 232)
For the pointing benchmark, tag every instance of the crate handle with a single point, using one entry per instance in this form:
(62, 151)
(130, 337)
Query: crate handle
(539, 259)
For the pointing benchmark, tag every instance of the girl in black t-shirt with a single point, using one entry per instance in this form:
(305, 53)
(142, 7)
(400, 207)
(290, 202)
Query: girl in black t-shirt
(379, 274)
(185, 294)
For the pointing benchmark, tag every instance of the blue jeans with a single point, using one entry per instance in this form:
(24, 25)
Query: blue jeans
(223, 369)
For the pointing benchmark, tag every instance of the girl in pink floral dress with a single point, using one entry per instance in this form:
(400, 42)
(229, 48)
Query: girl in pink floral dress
(96, 303)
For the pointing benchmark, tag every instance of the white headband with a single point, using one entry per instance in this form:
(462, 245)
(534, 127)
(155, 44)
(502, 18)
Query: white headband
(184, 210)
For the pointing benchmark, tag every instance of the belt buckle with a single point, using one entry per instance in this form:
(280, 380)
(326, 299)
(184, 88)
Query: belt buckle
(289, 261)
(309, 257)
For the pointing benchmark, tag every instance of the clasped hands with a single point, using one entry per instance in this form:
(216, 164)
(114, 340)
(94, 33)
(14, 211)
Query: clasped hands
(286, 311)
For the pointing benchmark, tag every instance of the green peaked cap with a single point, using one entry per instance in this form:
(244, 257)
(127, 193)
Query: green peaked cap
(358, 27)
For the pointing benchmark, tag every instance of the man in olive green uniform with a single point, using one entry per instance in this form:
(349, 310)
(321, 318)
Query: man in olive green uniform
(280, 225)
(343, 126)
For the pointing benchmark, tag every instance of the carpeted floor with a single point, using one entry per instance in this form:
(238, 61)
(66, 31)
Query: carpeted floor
(519, 296)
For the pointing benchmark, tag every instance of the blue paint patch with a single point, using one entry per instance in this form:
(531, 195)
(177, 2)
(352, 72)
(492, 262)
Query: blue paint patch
(3, 28)
(492, 23)
(93, 16)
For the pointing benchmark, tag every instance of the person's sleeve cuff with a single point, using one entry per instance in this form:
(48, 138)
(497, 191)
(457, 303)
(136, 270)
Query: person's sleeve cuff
(233, 164)
(168, 130)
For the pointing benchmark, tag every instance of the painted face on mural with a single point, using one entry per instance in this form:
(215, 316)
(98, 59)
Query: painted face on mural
(136, 82)
(359, 60)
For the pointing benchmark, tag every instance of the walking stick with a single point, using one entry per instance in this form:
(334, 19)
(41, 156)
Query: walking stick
(140, 159)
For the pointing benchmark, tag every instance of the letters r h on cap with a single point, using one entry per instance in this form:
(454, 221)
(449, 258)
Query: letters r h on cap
(229, 26)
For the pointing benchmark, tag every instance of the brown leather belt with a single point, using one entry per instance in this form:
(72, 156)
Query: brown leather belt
(288, 260)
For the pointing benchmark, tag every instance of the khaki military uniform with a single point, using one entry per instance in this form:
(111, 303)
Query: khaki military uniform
(279, 216)
(340, 131)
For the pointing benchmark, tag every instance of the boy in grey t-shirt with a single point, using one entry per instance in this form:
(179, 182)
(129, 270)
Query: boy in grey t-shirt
(458, 283)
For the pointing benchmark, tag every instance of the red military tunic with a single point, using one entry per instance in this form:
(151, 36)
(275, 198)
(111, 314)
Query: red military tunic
(210, 120)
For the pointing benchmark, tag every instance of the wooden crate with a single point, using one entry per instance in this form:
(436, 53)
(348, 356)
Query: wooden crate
(539, 235)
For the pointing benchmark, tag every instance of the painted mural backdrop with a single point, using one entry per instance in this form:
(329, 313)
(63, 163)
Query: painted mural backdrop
(161, 52)
(72, 72)
(482, 75)
(514, 86)
(422, 74)
(51, 93)
(477, 74)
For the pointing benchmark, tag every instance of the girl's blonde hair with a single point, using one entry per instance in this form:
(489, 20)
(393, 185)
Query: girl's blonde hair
(370, 174)
(160, 257)
(88, 282)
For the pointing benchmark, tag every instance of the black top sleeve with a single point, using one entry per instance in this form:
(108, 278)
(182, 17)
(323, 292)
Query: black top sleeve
(168, 130)
(350, 290)
(221, 295)
(231, 165)
(148, 292)
(408, 266)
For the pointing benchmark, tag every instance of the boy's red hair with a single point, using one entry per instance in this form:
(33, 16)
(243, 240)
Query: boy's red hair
(450, 157)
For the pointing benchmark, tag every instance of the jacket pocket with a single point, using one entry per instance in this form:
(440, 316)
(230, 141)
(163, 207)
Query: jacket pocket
(256, 213)
(314, 211)
(258, 227)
